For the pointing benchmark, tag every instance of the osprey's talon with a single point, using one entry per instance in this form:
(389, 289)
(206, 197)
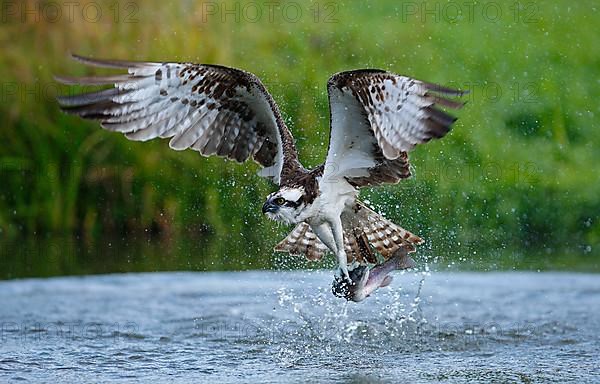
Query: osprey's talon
(343, 274)
(343, 266)
(347, 278)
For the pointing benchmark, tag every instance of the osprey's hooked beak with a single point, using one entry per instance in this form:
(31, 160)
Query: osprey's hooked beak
(269, 207)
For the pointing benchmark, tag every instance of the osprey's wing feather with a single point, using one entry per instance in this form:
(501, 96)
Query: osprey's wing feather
(376, 118)
(212, 109)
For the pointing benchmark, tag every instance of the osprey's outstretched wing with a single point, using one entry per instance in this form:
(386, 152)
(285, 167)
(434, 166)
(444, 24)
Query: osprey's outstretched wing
(212, 109)
(376, 118)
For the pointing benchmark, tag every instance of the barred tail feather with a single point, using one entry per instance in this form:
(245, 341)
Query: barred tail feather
(363, 229)
(385, 236)
(303, 241)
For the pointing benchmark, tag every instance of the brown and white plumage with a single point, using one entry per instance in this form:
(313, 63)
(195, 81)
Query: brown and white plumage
(211, 109)
(376, 118)
(359, 221)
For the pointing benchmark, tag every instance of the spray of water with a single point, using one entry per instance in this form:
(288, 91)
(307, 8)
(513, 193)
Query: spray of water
(312, 323)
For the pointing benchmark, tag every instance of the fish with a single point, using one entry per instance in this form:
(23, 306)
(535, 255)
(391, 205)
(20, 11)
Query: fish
(367, 280)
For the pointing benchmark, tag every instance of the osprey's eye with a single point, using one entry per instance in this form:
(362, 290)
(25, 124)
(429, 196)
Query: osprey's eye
(279, 201)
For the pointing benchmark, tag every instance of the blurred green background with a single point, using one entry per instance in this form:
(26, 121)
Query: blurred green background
(515, 184)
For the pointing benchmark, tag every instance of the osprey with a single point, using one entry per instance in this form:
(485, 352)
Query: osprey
(376, 117)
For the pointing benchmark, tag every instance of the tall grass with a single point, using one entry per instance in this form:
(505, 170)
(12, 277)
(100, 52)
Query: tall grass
(517, 173)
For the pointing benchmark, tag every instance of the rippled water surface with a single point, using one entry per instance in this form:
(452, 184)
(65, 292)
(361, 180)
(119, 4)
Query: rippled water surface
(287, 327)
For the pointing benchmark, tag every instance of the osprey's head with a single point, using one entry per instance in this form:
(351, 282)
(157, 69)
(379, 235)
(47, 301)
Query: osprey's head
(285, 205)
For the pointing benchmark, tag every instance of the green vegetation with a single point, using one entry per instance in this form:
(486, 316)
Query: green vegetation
(515, 181)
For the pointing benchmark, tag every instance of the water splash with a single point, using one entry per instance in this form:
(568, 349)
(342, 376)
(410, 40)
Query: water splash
(318, 323)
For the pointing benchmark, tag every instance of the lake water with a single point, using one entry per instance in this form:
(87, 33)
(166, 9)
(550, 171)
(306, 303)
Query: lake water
(287, 327)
